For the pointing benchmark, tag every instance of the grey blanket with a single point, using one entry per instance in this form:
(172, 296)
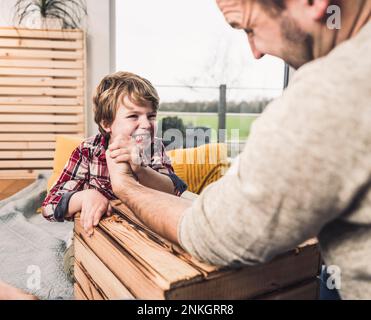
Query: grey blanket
(31, 248)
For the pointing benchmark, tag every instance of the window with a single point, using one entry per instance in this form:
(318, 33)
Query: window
(187, 50)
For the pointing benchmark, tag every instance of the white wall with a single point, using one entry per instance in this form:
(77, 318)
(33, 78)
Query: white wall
(100, 50)
(100, 45)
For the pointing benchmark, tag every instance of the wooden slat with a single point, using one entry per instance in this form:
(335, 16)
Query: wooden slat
(303, 291)
(19, 174)
(41, 128)
(40, 91)
(152, 255)
(26, 118)
(120, 262)
(36, 33)
(41, 109)
(40, 82)
(78, 292)
(41, 72)
(9, 187)
(40, 54)
(9, 63)
(31, 145)
(90, 290)
(26, 164)
(103, 277)
(33, 137)
(50, 44)
(26, 154)
(42, 94)
(41, 101)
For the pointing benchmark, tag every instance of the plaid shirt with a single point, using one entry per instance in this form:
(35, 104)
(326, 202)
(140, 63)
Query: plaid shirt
(87, 169)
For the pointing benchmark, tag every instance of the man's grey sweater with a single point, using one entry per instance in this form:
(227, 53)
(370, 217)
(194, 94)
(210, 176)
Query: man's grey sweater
(305, 171)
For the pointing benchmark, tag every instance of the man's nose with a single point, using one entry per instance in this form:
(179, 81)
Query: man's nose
(257, 54)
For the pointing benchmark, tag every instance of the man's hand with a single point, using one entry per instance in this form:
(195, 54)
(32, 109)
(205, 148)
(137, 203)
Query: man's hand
(124, 149)
(8, 292)
(120, 172)
(94, 206)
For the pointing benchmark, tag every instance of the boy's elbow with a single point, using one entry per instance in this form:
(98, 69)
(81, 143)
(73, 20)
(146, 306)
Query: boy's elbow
(46, 214)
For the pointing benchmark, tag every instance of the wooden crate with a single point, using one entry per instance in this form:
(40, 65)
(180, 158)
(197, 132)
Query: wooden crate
(126, 260)
(42, 94)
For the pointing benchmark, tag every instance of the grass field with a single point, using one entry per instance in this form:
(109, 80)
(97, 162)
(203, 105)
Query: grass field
(240, 122)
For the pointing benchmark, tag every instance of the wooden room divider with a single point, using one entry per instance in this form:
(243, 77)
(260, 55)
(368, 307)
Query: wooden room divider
(42, 94)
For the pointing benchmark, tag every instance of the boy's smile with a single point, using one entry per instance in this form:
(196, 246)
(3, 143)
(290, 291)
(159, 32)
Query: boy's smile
(134, 120)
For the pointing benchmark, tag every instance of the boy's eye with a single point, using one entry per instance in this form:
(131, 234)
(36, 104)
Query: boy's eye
(132, 116)
(152, 117)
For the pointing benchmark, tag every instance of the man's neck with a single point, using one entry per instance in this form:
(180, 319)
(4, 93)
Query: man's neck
(355, 14)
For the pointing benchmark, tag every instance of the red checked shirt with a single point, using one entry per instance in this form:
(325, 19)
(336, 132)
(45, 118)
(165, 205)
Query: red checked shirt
(87, 169)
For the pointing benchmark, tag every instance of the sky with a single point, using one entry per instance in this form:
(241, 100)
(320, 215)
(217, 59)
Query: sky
(188, 42)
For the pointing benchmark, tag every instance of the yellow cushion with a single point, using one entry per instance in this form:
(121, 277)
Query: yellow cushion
(63, 150)
(200, 166)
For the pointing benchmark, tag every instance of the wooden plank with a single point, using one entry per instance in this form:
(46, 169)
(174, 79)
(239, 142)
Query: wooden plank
(155, 257)
(41, 33)
(91, 290)
(41, 72)
(50, 128)
(26, 154)
(39, 91)
(303, 291)
(122, 264)
(8, 187)
(40, 82)
(26, 118)
(32, 137)
(34, 43)
(41, 109)
(13, 63)
(40, 54)
(78, 292)
(41, 101)
(31, 145)
(102, 276)
(20, 174)
(26, 164)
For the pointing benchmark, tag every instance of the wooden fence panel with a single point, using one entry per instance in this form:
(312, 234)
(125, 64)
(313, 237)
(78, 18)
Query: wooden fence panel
(42, 95)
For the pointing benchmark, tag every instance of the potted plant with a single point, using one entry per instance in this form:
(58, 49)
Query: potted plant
(50, 14)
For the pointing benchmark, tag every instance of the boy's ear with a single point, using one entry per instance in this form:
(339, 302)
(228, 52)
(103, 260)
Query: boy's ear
(105, 127)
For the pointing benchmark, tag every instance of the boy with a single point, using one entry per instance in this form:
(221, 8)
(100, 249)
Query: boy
(125, 105)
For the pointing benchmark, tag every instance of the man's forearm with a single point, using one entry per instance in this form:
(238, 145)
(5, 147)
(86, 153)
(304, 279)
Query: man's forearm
(155, 180)
(159, 211)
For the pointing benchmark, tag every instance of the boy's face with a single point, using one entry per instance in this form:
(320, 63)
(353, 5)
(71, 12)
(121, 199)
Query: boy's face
(132, 120)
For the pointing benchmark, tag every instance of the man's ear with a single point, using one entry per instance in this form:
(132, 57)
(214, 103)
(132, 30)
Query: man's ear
(318, 8)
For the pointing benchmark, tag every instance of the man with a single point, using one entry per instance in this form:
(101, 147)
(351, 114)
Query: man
(306, 167)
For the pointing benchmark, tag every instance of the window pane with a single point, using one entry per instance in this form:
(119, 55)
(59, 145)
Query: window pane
(187, 50)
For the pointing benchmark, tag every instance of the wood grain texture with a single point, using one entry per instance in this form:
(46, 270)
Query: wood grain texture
(152, 268)
(42, 92)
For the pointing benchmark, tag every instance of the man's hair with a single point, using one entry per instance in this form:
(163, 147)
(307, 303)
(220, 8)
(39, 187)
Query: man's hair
(112, 90)
(274, 6)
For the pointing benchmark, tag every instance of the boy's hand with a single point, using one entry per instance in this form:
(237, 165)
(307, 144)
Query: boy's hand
(94, 206)
(124, 149)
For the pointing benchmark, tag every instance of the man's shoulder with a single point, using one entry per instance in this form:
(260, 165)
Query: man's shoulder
(348, 61)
